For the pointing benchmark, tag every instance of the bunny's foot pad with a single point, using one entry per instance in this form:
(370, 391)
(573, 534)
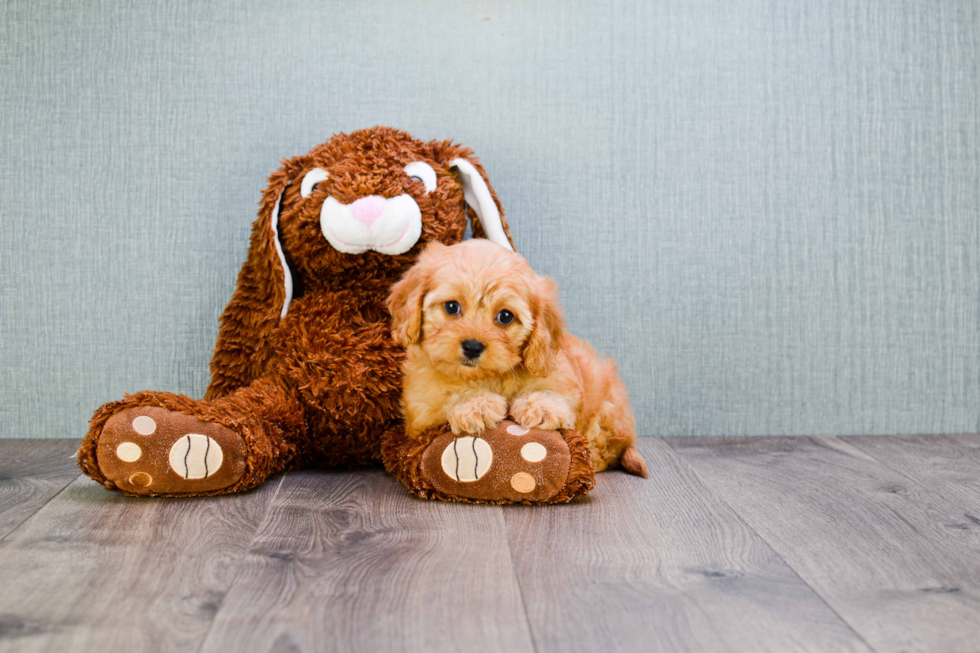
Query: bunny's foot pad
(504, 464)
(154, 451)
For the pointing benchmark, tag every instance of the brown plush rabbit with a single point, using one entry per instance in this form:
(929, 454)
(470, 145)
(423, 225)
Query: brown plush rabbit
(305, 372)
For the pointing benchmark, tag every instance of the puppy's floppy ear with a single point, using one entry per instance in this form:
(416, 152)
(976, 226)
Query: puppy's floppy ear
(406, 297)
(261, 298)
(548, 333)
(484, 209)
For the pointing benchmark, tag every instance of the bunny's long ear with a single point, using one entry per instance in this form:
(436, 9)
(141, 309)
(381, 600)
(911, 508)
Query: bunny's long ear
(479, 197)
(483, 207)
(261, 298)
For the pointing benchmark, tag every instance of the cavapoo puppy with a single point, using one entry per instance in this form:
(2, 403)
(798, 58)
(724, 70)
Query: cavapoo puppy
(485, 339)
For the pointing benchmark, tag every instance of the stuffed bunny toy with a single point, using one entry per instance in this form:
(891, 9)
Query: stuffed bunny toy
(305, 372)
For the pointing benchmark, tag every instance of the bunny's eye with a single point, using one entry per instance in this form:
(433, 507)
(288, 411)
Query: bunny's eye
(452, 307)
(312, 178)
(423, 172)
(504, 317)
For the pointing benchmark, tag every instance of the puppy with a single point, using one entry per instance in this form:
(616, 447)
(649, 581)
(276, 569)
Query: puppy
(485, 339)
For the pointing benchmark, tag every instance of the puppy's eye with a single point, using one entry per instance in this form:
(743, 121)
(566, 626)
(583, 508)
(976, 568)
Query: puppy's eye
(505, 317)
(452, 307)
(418, 179)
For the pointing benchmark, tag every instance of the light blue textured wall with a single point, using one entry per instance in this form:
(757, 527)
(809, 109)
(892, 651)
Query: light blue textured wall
(766, 211)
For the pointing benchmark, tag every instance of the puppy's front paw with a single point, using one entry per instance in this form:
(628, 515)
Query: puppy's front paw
(543, 410)
(477, 413)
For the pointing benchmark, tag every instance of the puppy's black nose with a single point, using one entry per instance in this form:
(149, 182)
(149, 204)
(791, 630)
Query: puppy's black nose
(472, 348)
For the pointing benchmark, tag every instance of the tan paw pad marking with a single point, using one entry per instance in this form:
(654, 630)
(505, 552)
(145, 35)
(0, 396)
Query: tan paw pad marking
(144, 425)
(141, 479)
(522, 482)
(533, 452)
(128, 452)
(467, 459)
(195, 456)
(514, 429)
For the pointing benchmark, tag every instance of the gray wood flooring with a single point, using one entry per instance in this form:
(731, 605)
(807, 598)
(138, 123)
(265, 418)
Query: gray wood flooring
(733, 544)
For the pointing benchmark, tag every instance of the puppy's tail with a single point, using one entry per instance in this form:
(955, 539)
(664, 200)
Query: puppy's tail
(633, 462)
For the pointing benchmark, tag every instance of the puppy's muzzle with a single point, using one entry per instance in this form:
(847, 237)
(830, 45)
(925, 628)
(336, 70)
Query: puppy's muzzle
(472, 349)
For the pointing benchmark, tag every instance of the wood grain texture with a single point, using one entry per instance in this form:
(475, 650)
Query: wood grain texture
(94, 570)
(969, 440)
(948, 465)
(781, 544)
(31, 472)
(661, 565)
(349, 561)
(896, 560)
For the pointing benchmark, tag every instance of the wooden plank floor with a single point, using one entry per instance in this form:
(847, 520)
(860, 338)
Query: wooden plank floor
(733, 544)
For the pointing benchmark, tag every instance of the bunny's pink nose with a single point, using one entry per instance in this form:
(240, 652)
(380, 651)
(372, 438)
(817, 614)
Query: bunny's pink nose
(368, 209)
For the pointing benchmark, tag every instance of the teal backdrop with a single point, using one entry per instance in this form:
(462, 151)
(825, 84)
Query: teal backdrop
(766, 211)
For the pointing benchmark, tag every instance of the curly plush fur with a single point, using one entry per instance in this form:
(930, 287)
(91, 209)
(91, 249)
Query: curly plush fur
(320, 385)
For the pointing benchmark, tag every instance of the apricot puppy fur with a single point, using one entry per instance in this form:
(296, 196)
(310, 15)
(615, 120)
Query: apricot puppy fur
(485, 339)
